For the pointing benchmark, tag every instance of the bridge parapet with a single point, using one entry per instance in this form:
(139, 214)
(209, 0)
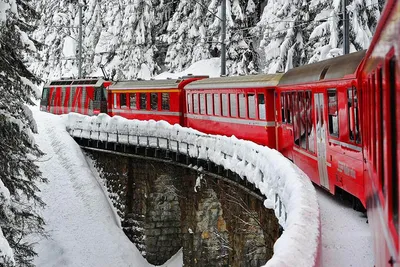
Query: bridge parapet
(287, 189)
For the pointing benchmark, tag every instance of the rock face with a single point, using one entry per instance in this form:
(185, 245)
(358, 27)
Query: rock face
(164, 208)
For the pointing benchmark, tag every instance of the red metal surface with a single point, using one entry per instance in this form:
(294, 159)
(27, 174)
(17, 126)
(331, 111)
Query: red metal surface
(252, 129)
(381, 135)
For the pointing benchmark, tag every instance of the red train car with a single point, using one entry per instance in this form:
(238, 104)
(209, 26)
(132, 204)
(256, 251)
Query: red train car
(380, 106)
(85, 96)
(149, 99)
(318, 123)
(242, 106)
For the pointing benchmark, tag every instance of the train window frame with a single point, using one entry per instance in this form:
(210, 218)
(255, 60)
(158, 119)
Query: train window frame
(132, 101)
(225, 105)
(196, 109)
(217, 104)
(353, 117)
(233, 106)
(153, 101)
(296, 119)
(143, 101)
(289, 99)
(165, 101)
(115, 101)
(242, 105)
(123, 103)
(202, 102)
(210, 104)
(309, 122)
(333, 131)
(251, 106)
(303, 123)
(260, 103)
(189, 103)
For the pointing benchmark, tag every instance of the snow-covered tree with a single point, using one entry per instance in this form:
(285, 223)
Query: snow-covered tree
(18, 173)
(283, 26)
(297, 32)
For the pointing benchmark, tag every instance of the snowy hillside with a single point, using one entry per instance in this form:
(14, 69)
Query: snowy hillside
(143, 38)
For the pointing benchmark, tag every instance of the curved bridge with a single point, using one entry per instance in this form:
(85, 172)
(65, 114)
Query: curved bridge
(260, 171)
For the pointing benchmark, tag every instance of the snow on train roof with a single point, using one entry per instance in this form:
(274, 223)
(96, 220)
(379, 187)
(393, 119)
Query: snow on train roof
(252, 81)
(333, 68)
(95, 82)
(146, 84)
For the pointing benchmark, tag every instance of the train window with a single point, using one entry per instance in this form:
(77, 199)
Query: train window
(115, 100)
(189, 103)
(196, 103)
(379, 125)
(122, 100)
(225, 105)
(309, 125)
(353, 115)
(165, 101)
(143, 100)
(283, 107)
(296, 119)
(71, 97)
(97, 94)
(333, 113)
(242, 106)
(289, 107)
(63, 94)
(209, 104)
(154, 101)
(233, 105)
(132, 101)
(261, 106)
(251, 107)
(217, 105)
(392, 142)
(202, 104)
(302, 121)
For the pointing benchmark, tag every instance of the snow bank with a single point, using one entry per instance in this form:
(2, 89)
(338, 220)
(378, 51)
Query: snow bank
(288, 190)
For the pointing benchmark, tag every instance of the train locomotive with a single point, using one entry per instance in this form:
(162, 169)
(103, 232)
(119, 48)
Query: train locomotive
(338, 119)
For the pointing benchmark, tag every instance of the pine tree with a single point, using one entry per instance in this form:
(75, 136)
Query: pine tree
(18, 173)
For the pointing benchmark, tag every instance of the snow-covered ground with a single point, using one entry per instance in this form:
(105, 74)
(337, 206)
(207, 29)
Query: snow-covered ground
(81, 224)
(346, 237)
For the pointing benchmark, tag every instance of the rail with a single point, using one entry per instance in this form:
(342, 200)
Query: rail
(287, 189)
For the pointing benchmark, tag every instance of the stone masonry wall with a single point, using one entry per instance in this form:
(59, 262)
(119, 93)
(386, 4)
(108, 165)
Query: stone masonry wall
(164, 207)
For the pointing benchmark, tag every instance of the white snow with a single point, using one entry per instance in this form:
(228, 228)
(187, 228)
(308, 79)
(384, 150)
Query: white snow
(81, 225)
(346, 237)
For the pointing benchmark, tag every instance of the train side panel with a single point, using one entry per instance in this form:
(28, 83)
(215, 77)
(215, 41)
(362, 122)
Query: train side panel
(380, 79)
(245, 113)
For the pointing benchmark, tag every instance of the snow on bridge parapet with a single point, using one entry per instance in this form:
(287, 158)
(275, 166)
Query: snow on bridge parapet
(296, 206)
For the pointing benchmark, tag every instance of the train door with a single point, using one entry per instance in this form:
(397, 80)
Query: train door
(321, 139)
(285, 139)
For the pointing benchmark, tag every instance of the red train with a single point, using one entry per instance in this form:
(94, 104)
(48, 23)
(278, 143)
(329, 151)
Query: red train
(379, 77)
(338, 119)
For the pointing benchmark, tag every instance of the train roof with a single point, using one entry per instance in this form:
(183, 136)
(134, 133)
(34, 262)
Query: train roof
(248, 81)
(146, 84)
(333, 68)
(95, 82)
